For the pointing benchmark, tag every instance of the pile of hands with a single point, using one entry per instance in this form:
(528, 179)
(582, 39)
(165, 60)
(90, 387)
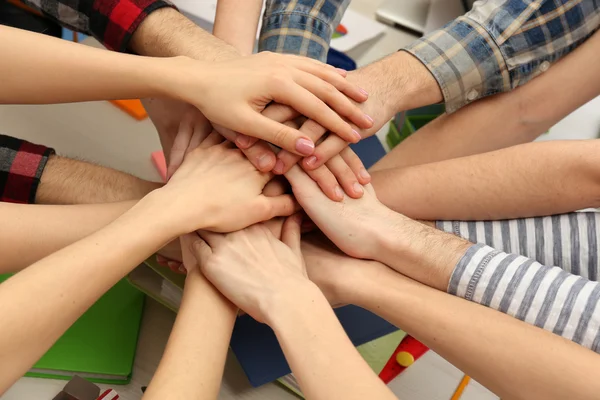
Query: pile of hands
(229, 188)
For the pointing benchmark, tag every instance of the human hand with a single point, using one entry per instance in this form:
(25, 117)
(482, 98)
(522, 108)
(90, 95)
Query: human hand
(216, 188)
(343, 172)
(244, 86)
(352, 224)
(341, 278)
(378, 107)
(253, 268)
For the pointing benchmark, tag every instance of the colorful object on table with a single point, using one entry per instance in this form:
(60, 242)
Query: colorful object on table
(405, 359)
(160, 163)
(407, 123)
(132, 107)
(78, 389)
(109, 394)
(461, 387)
(409, 350)
(100, 346)
(340, 31)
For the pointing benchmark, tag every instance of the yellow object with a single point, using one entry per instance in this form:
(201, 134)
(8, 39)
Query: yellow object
(461, 387)
(405, 359)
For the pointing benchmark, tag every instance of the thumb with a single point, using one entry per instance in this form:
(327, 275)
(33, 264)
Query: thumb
(202, 251)
(290, 234)
(280, 206)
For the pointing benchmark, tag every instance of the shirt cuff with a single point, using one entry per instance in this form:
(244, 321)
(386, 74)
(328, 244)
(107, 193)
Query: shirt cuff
(114, 22)
(304, 30)
(469, 270)
(21, 167)
(465, 60)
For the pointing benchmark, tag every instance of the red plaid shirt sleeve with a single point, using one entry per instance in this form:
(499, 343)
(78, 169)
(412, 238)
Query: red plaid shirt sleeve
(112, 22)
(21, 167)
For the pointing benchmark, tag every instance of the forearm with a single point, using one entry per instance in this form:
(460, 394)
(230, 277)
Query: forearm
(193, 362)
(506, 119)
(522, 181)
(482, 342)
(547, 297)
(41, 69)
(167, 33)
(319, 352)
(401, 81)
(30, 232)
(69, 181)
(244, 16)
(569, 241)
(41, 302)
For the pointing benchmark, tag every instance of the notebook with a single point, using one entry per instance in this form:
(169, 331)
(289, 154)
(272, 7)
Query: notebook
(254, 344)
(100, 346)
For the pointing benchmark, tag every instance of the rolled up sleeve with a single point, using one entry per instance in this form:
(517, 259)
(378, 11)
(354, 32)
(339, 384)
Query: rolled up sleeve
(501, 45)
(301, 27)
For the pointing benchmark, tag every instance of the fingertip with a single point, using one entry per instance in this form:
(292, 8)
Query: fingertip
(265, 162)
(305, 146)
(311, 163)
(364, 177)
(243, 141)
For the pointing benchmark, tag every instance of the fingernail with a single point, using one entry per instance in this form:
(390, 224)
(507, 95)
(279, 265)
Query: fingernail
(363, 91)
(173, 264)
(358, 188)
(339, 193)
(342, 72)
(182, 269)
(364, 174)
(356, 135)
(264, 162)
(305, 146)
(368, 118)
(311, 161)
(278, 168)
(242, 141)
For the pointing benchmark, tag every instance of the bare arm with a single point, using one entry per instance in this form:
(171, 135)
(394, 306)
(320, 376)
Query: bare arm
(528, 180)
(506, 119)
(204, 350)
(69, 181)
(266, 278)
(511, 358)
(41, 302)
(237, 23)
(31, 232)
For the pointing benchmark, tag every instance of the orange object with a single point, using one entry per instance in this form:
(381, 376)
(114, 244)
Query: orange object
(22, 6)
(132, 107)
(461, 387)
(160, 163)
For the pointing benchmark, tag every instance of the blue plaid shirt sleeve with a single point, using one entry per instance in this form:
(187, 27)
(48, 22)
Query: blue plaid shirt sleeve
(301, 27)
(502, 44)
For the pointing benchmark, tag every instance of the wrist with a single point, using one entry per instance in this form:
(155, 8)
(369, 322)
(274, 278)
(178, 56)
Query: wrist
(289, 302)
(413, 85)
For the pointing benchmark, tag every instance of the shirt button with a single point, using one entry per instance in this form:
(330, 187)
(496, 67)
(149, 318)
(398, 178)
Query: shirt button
(544, 66)
(472, 95)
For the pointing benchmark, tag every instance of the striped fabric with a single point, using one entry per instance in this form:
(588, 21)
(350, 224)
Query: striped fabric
(511, 276)
(301, 27)
(502, 44)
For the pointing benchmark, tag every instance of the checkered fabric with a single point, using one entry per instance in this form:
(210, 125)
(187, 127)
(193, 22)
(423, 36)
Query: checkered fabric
(502, 44)
(302, 27)
(21, 167)
(112, 22)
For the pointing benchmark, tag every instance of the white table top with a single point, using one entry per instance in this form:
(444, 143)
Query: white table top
(90, 131)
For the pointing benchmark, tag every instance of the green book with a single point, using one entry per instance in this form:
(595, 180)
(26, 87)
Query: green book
(100, 346)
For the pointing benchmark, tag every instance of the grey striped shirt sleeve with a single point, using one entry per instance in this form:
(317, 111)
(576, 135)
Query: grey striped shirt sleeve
(569, 241)
(552, 298)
